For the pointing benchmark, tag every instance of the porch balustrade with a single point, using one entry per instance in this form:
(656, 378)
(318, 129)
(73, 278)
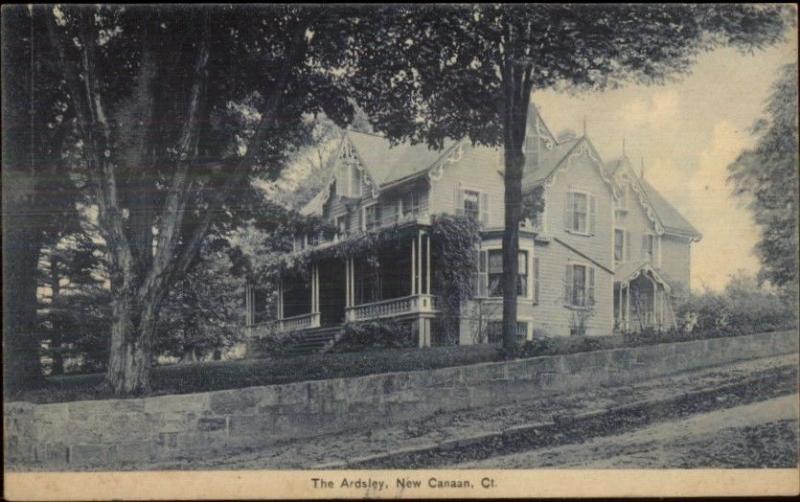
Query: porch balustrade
(303, 321)
(393, 307)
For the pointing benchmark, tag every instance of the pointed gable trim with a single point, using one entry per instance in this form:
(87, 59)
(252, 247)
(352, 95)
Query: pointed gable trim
(583, 147)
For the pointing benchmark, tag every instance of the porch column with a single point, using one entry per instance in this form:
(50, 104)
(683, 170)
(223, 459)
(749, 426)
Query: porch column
(347, 298)
(423, 332)
(315, 289)
(428, 267)
(627, 306)
(655, 301)
(419, 265)
(280, 297)
(413, 268)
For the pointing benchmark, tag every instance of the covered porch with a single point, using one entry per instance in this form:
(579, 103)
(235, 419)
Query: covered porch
(396, 283)
(642, 299)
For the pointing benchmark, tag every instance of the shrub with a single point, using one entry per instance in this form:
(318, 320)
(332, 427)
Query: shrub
(387, 333)
(743, 308)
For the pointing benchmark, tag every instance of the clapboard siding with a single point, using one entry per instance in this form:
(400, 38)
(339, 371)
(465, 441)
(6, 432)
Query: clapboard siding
(479, 170)
(579, 173)
(676, 259)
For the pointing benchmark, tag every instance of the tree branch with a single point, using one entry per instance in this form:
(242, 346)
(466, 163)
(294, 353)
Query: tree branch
(95, 129)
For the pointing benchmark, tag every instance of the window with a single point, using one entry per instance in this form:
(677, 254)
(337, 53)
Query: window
(619, 244)
(535, 279)
(313, 239)
(299, 242)
(341, 225)
(408, 204)
(490, 281)
(579, 213)
(371, 216)
(648, 247)
(494, 331)
(579, 285)
(472, 204)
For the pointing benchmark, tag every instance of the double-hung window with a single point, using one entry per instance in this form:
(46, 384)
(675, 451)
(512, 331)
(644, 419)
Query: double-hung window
(579, 285)
(341, 226)
(371, 216)
(490, 273)
(619, 245)
(580, 212)
(649, 247)
(408, 204)
(472, 204)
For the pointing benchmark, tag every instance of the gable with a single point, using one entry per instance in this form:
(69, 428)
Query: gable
(564, 157)
(664, 216)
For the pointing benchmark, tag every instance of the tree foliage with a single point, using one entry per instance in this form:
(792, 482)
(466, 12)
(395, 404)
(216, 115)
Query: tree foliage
(178, 109)
(767, 177)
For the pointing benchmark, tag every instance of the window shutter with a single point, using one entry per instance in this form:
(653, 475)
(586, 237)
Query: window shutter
(627, 246)
(568, 206)
(568, 285)
(643, 254)
(592, 214)
(361, 218)
(535, 279)
(484, 208)
(483, 275)
(590, 287)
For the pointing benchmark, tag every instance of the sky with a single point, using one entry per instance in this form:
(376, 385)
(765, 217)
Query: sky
(686, 134)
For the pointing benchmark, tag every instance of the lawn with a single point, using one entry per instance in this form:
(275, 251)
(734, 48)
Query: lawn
(218, 375)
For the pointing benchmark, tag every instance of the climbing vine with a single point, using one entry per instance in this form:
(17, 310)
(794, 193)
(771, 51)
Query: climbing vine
(365, 244)
(454, 241)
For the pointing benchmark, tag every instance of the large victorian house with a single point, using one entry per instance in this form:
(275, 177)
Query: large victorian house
(607, 253)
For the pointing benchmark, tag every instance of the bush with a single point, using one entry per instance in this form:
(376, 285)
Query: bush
(743, 308)
(379, 334)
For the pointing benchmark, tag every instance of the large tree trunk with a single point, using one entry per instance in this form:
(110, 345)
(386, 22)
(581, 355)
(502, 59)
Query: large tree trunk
(21, 248)
(132, 330)
(513, 199)
(516, 99)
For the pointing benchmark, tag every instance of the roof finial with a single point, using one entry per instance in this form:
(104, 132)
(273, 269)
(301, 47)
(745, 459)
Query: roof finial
(642, 168)
(584, 125)
(623, 146)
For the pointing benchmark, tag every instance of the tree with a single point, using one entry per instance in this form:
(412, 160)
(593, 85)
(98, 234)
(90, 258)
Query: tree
(177, 109)
(38, 127)
(767, 177)
(435, 72)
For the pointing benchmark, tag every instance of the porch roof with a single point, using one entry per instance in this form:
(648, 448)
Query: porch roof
(631, 270)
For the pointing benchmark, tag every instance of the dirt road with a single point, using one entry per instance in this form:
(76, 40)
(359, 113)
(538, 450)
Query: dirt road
(761, 434)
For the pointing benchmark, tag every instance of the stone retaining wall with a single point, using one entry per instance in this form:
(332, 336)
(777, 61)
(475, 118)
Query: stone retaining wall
(115, 433)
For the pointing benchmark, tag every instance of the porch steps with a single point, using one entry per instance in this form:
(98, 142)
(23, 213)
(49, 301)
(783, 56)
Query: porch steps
(313, 341)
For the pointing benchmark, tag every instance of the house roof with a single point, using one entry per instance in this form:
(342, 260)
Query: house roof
(387, 163)
(549, 160)
(670, 218)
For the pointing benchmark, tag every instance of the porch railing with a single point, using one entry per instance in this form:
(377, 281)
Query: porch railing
(298, 322)
(393, 307)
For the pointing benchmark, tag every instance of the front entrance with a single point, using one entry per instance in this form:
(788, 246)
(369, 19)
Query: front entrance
(332, 292)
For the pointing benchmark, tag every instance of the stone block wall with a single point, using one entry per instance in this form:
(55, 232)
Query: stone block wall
(136, 432)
